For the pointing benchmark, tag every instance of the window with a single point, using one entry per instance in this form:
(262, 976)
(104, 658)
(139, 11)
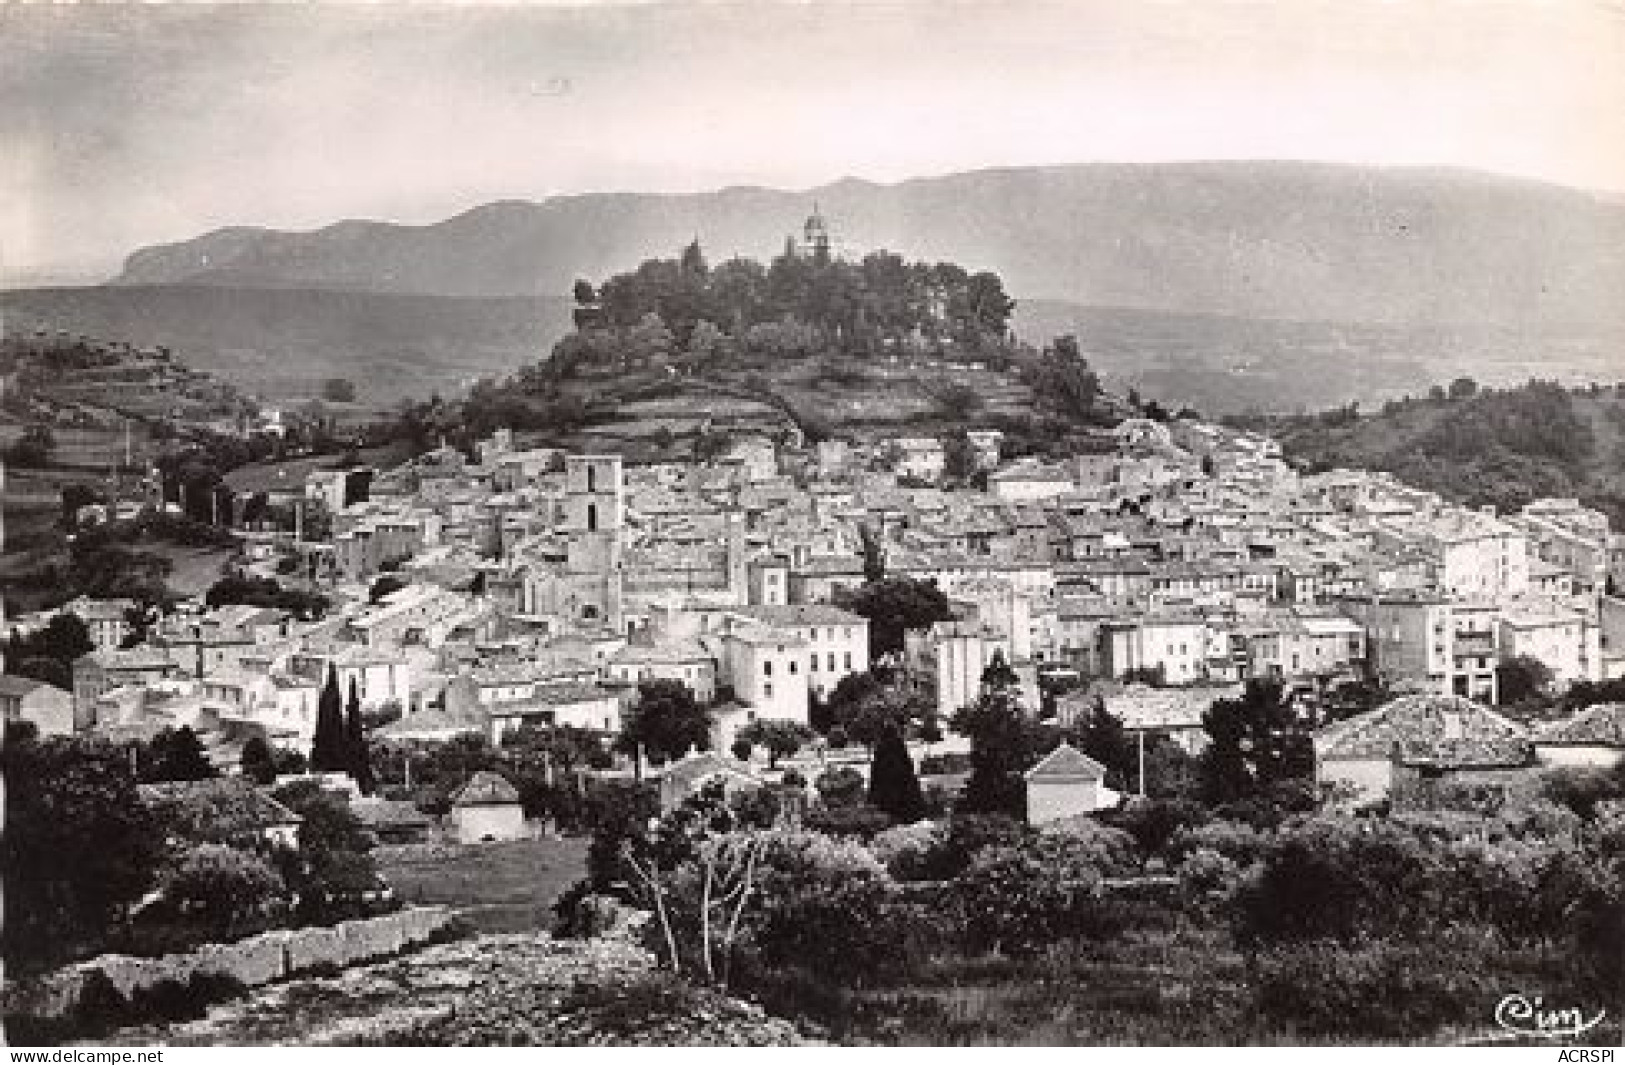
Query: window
(592, 517)
(832, 662)
(767, 669)
(812, 662)
(767, 691)
(792, 667)
(592, 478)
(849, 660)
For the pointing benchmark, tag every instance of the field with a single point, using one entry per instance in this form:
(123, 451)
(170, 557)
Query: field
(273, 476)
(500, 887)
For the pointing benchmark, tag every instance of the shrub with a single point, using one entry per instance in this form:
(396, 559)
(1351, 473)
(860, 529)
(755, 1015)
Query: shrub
(1110, 850)
(1022, 898)
(940, 764)
(1580, 790)
(181, 1000)
(1155, 822)
(904, 849)
(840, 787)
(581, 913)
(966, 836)
(223, 887)
(1207, 879)
(1598, 918)
(1334, 878)
(1543, 819)
(853, 931)
(1236, 840)
(861, 821)
(101, 1009)
(1382, 989)
(812, 856)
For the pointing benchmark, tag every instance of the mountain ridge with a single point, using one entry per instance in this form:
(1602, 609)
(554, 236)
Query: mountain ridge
(1282, 240)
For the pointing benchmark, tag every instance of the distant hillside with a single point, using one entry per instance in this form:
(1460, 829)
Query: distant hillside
(282, 343)
(1226, 365)
(1479, 446)
(1254, 240)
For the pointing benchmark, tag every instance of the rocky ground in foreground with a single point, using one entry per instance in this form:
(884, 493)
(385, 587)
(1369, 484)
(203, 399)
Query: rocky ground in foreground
(503, 990)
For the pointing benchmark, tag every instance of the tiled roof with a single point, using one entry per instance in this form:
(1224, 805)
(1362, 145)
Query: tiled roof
(1067, 762)
(1140, 706)
(389, 813)
(667, 651)
(433, 720)
(1441, 730)
(695, 767)
(1599, 725)
(486, 788)
(802, 614)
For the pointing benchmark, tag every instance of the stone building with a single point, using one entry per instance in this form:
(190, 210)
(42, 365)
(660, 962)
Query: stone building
(487, 810)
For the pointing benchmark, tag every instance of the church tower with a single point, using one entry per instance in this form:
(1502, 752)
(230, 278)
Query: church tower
(594, 487)
(815, 236)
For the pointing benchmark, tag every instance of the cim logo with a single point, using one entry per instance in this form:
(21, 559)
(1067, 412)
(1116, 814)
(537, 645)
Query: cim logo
(1525, 1016)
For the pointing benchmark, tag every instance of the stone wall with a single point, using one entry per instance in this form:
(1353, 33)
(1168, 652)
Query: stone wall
(257, 960)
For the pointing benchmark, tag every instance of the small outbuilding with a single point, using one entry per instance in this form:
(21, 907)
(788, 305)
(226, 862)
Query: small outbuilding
(487, 810)
(1065, 783)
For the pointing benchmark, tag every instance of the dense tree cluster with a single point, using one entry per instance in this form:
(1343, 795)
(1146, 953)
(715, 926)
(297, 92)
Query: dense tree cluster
(239, 589)
(801, 301)
(1062, 382)
(665, 722)
(79, 846)
(894, 606)
(47, 654)
(1257, 743)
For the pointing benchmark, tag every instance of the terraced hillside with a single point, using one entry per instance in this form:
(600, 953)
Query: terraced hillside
(658, 416)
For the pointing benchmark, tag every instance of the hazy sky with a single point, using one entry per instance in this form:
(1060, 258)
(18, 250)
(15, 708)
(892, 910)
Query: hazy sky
(123, 126)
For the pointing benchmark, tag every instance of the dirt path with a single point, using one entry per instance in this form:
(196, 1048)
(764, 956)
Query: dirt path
(384, 1002)
(523, 989)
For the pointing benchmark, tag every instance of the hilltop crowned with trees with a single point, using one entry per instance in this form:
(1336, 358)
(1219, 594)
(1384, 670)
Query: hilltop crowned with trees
(805, 339)
(803, 301)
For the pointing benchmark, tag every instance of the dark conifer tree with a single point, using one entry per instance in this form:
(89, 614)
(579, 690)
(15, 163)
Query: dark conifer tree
(359, 762)
(893, 785)
(328, 750)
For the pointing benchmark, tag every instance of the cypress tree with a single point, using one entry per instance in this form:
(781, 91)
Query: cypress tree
(327, 748)
(893, 786)
(358, 762)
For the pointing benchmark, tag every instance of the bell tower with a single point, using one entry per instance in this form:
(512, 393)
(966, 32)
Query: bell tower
(815, 236)
(594, 489)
